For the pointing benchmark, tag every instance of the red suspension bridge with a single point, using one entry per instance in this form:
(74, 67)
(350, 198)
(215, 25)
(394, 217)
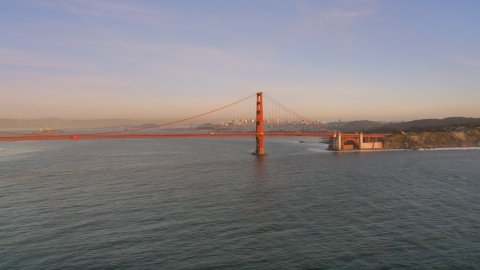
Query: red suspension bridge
(256, 116)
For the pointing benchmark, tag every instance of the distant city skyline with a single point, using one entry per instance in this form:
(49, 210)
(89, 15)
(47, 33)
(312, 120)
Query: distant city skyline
(327, 60)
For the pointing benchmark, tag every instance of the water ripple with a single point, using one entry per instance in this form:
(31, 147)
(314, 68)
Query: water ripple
(208, 204)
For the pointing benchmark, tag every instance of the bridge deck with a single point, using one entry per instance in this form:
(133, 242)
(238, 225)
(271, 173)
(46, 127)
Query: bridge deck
(35, 137)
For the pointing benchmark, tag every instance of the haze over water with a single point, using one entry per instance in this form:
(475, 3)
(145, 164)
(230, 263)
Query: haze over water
(209, 204)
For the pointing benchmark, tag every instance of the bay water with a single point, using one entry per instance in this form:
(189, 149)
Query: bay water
(207, 203)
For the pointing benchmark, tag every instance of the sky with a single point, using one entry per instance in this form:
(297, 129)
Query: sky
(349, 60)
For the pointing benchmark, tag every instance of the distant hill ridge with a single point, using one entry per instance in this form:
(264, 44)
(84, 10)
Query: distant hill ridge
(372, 126)
(436, 122)
(353, 126)
(67, 123)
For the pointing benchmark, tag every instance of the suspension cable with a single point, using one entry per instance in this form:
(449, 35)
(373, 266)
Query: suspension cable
(294, 113)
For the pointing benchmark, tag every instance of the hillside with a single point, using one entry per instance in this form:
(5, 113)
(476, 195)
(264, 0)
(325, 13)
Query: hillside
(467, 138)
(426, 125)
(355, 126)
(421, 125)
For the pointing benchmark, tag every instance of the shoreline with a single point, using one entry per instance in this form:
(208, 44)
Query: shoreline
(401, 149)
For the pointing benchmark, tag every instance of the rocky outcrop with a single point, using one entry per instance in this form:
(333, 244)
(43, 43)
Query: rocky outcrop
(467, 138)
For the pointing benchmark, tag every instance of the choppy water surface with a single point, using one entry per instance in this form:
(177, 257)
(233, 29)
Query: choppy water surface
(209, 204)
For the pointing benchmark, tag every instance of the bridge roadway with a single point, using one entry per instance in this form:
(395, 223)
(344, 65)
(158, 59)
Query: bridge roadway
(100, 136)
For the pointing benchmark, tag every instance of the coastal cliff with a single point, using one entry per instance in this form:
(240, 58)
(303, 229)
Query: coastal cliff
(466, 138)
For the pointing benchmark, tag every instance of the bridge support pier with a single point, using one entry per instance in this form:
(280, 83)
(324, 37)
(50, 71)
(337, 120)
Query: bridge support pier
(360, 141)
(260, 134)
(337, 141)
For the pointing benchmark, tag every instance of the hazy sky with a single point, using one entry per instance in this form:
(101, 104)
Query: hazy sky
(379, 60)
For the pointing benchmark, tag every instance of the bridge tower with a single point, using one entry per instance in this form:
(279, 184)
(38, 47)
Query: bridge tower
(260, 135)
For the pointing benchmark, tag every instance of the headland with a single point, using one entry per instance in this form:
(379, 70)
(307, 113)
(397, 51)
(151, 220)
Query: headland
(429, 140)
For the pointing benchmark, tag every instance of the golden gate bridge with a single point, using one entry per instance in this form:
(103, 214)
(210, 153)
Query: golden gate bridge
(257, 115)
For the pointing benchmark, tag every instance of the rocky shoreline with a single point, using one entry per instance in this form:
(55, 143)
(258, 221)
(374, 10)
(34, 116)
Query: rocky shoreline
(429, 140)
